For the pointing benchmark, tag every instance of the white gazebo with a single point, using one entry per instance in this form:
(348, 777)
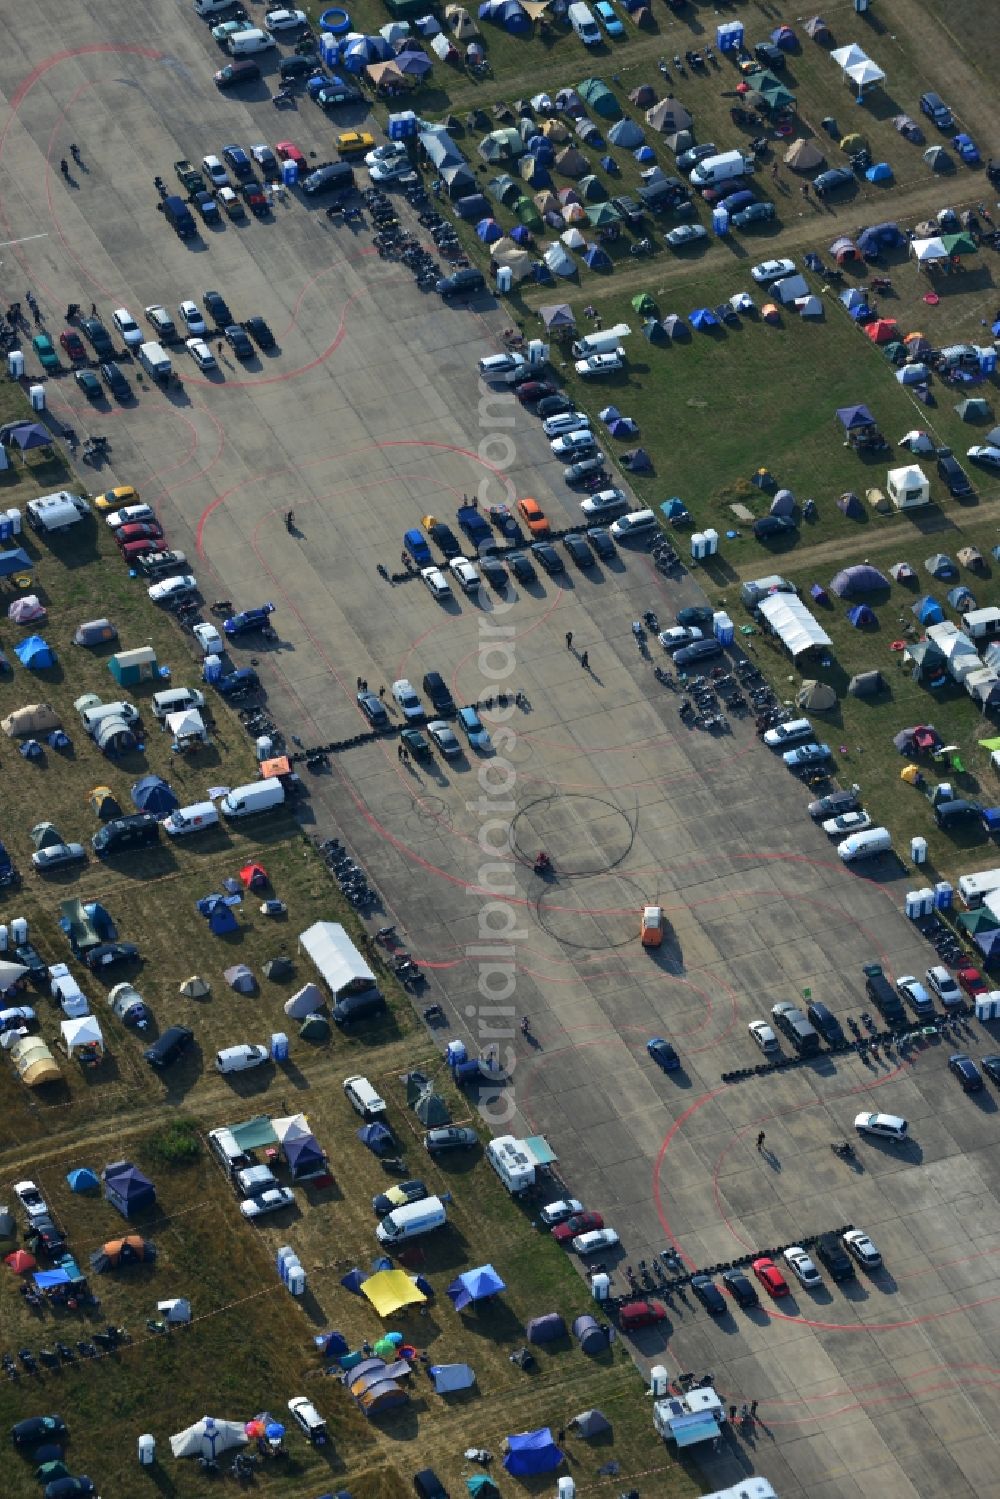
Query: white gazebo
(908, 487)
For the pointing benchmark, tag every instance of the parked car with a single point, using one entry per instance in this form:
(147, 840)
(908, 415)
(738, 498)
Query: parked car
(941, 983)
(698, 650)
(37, 1429)
(772, 270)
(374, 710)
(466, 574)
(916, 995)
(450, 1137)
(663, 1054)
(58, 856)
(740, 1287)
(805, 755)
(548, 556)
(754, 213)
(832, 180)
(770, 1276)
(953, 474)
(934, 107)
(834, 805)
(857, 1242)
(964, 1068)
(169, 1047)
(606, 504)
(834, 1257)
(30, 1197)
(520, 565)
(471, 724)
(847, 822)
(985, 454)
(883, 1126)
(554, 1213)
(271, 1201)
(578, 1223)
(534, 516)
(802, 1267)
(709, 1295)
(45, 349)
(596, 365)
(593, 1243)
(436, 582)
(764, 1037)
(684, 235)
(398, 1197)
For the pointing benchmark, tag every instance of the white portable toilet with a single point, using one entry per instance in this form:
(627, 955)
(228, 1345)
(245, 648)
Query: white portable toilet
(36, 395)
(15, 364)
(659, 1381)
(279, 1046)
(147, 1450)
(13, 518)
(505, 278)
(3, 937)
(698, 545)
(600, 1286)
(918, 850)
(296, 1280)
(264, 746)
(19, 931)
(538, 352)
(565, 1487)
(988, 1005)
(711, 541)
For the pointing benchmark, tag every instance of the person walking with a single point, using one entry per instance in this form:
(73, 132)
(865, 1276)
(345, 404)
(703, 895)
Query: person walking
(359, 684)
(760, 1140)
(569, 640)
(753, 1409)
(585, 660)
(732, 1414)
(93, 309)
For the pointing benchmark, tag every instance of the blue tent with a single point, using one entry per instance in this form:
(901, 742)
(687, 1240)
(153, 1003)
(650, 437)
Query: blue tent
(855, 418)
(625, 133)
(26, 435)
(83, 1180)
(489, 231)
(377, 1137)
(542, 149)
(859, 615)
(353, 1281)
(332, 1344)
(819, 593)
(34, 653)
(534, 1451)
(475, 1285)
(960, 598)
(852, 298)
(928, 610)
(596, 258)
(674, 507)
(15, 561)
(472, 207)
(988, 944)
(365, 50)
(861, 312)
(880, 172)
(508, 14)
(304, 1157)
(521, 234)
(218, 914)
(859, 578)
(645, 153)
(608, 164)
(127, 1189)
(152, 794)
(702, 318)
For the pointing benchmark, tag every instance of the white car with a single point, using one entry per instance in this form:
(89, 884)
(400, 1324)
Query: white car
(31, 1199)
(127, 327)
(215, 171)
(772, 270)
(129, 515)
(389, 171)
(557, 1212)
(181, 699)
(573, 444)
(596, 1240)
(503, 369)
(240, 1058)
(308, 1418)
(856, 1242)
(391, 151)
(466, 574)
(885, 1126)
(410, 705)
(436, 582)
(208, 639)
(940, 981)
(601, 364)
(792, 732)
(565, 421)
(178, 586)
(916, 996)
(802, 1267)
(677, 635)
(192, 317)
(604, 503)
(685, 234)
(847, 822)
(763, 1036)
(285, 20)
(200, 353)
(267, 1202)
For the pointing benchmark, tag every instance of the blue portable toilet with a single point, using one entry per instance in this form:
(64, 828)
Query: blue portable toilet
(289, 173)
(720, 220)
(729, 36)
(402, 126)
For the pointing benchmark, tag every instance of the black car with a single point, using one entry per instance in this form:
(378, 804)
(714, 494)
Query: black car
(934, 107)
(109, 955)
(991, 1066)
(437, 690)
(38, 1429)
(742, 1289)
(965, 1069)
(831, 1253)
(826, 1023)
(70, 1487)
(296, 67)
(698, 650)
(553, 406)
(98, 336)
(31, 958)
(401, 1194)
(829, 182)
(239, 341)
(270, 166)
(690, 158)
(234, 74)
(374, 710)
(218, 308)
(755, 213)
(548, 556)
(160, 564)
(579, 551)
(771, 56)
(696, 614)
(953, 474)
(444, 538)
(115, 380)
(10, 877)
(260, 332)
(493, 571)
(166, 1049)
(709, 1295)
(520, 565)
(629, 210)
(834, 805)
(45, 1235)
(601, 541)
(136, 830)
(465, 282)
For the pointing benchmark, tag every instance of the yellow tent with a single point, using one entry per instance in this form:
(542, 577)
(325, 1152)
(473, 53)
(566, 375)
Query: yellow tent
(910, 774)
(34, 1062)
(388, 1290)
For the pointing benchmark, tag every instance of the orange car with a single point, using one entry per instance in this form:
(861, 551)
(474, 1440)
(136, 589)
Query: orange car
(651, 932)
(534, 517)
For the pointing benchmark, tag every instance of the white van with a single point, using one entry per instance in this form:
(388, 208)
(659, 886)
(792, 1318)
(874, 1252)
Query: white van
(240, 1058)
(245, 43)
(176, 700)
(258, 796)
(865, 845)
(192, 819)
(155, 361)
(412, 1220)
(634, 526)
(363, 1098)
(722, 168)
(605, 342)
(581, 18)
(788, 733)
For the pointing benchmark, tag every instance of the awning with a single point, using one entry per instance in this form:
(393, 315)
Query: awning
(254, 1134)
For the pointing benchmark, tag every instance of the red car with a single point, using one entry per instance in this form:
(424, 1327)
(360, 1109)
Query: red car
(770, 1277)
(254, 196)
(530, 391)
(145, 530)
(289, 151)
(583, 1223)
(641, 1314)
(132, 550)
(972, 981)
(73, 344)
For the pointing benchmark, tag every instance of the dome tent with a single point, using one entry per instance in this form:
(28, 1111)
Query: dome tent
(625, 133)
(152, 794)
(597, 96)
(861, 616)
(861, 578)
(34, 653)
(816, 697)
(590, 1423)
(804, 155)
(927, 610)
(866, 684)
(589, 1334)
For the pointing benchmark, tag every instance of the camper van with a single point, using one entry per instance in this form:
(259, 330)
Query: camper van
(726, 167)
(865, 845)
(56, 512)
(581, 18)
(231, 1156)
(258, 796)
(193, 819)
(974, 888)
(512, 1163)
(412, 1220)
(605, 342)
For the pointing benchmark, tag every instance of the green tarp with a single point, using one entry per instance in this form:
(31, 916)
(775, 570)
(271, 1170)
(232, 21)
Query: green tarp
(255, 1134)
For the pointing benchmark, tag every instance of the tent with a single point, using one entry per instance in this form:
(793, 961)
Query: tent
(34, 653)
(861, 617)
(850, 56)
(278, 969)
(377, 1137)
(25, 610)
(127, 1189)
(488, 231)
(26, 436)
(506, 14)
(961, 599)
(844, 252)
(865, 75)
(546, 1329)
(597, 259)
(637, 462)
(818, 30)
(849, 504)
(819, 593)
(531, 1452)
(451, 1377)
(975, 409)
(392, 1289)
(8, 1230)
(938, 158)
(592, 190)
(82, 1179)
(788, 618)
(306, 1001)
(570, 162)
(598, 97)
(927, 610)
(882, 330)
(816, 697)
(654, 330)
(34, 1063)
(132, 1250)
(82, 1038)
(535, 171)
(902, 572)
(208, 1438)
(219, 915)
(557, 315)
(625, 133)
(783, 503)
(240, 978)
(667, 116)
(305, 1157)
(970, 557)
(20, 1261)
(475, 1285)
(314, 1028)
(855, 418)
(590, 1423)
(152, 794)
(860, 578)
(644, 96)
(15, 561)
(460, 23)
(940, 566)
(804, 156)
(195, 987)
(590, 1335)
(431, 1109)
(703, 319)
(908, 487)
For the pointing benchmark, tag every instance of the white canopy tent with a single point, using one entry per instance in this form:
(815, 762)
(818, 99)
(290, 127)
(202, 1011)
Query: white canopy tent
(791, 621)
(81, 1032)
(208, 1438)
(850, 56)
(865, 74)
(291, 1127)
(336, 958)
(908, 487)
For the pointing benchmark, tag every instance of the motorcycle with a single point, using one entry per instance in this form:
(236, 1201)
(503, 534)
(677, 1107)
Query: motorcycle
(843, 1148)
(639, 634)
(641, 248)
(543, 864)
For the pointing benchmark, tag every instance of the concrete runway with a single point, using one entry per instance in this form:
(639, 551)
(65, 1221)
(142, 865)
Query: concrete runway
(369, 416)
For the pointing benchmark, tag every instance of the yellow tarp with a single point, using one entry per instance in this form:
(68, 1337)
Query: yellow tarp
(388, 1290)
(910, 774)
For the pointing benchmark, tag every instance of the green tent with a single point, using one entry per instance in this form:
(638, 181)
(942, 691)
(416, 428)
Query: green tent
(481, 1486)
(974, 409)
(598, 97)
(504, 189)
(431, 1109)
(601, 213)
(978, 921)
(777, 97)
(959, 244)
(644, 303)
(315, 1028)
(528, 213)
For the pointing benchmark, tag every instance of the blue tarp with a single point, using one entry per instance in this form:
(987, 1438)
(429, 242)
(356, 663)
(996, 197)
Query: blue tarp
(34, 653)
(531, 1452)
(152, 794)
(15, 561)
(475, 1285)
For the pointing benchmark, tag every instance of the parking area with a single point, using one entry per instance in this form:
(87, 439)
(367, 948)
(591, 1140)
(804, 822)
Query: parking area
(367, 417)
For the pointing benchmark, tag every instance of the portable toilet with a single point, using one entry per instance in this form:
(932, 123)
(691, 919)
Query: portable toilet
(723, 628)
(711, 541)
(297, 1280)
(600, 1286)
(918, 850)
(36, 395)
(658, 1381)
(130, 667)
(988, 1005)
(720, 220)
(12, 517)
(211, 671)
(147, 1450)
(729, 36)
(15, 364)
(456, 1053)
(279, 1046)
(565, 1487)
(698, 546)
(403, 126)
(329, 49)
(289, 173)
(505, 278)
(943, 895)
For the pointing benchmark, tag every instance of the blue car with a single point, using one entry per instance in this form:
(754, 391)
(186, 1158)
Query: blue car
(207, 207)
(473, 524)
(238, 162)
(663, 1054)
(416, 544)
(967, 149)
(736, 202)
(238, 683)
(248, 620)
(806, 754)
(608, 18)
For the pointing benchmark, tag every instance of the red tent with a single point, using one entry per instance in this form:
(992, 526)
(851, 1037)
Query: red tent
(254, 876)
(883, 331)
(20, 1261)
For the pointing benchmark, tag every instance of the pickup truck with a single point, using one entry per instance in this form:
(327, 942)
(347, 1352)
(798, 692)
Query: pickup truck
(190, 177)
